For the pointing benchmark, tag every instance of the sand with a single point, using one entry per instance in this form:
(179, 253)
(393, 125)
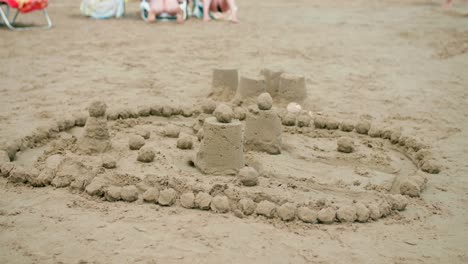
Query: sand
(399, 64)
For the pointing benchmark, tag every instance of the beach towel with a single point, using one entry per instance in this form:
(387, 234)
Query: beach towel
(101, 9)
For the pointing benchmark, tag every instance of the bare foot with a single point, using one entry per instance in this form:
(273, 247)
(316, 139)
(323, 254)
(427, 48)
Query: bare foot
(151, 17)
(180, 16)
(235, 20)
(206, 18)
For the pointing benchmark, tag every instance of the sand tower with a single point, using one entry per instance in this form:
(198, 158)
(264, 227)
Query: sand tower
(292, 88)
(221, 150)
(263, 127)
(95, 137)
(224, 84)
(272, 78)
(250, 87)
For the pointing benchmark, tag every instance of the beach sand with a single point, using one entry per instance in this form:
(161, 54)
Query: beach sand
(401, 64)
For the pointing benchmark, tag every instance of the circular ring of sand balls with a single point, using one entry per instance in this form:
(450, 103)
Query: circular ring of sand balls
(349, 213)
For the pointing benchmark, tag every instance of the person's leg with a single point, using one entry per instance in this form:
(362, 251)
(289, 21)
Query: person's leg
(233, 7)
(206, 9)
(225, 6)
(156, 8)
(172, 7)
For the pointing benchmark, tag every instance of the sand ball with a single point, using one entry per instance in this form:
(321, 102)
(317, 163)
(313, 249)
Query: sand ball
(345, 145)
(363, 127)
(326, 215)
(423, 154)
(6, 168)
(410, 188)
(97, 109)
(185, 142)
(320, 122)
(129, 193)
(294, 107)
(11, 149)
(395, 137)
(19, 175)
(266, 208)
(144, 111)
(167, 197)
(247, 206)
(200, 134)
(156, 110)
(144, 133)
(346, 214)
(374, 211)
(45, 176)
(264, 101)
(113, 193)
(331, 124)
(112, 115)
(171, 131)
(135, 142)
(151, 195)
(80, 119)
(223, 113)
(203, 200)
(303, 120)
(109, 162)
(402, 140)
(419, 180)
(362, 212)
(430, 166)
(96, 187)
(167, 111)
(220, 204)
(287, 212)
(146, 154)
(385, 208)
(240, 113)
(289, 119)
(187, 111)
(248, 176)
(374, 132)
(306, 214)
(253, 109)
(187, 200)
(347, 126)
(208, 106)
(397, 201)
(386, 133)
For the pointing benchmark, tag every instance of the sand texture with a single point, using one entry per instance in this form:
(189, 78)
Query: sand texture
(388, 76)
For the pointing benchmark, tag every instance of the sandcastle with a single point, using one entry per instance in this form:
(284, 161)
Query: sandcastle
(267, 186)
(224, 84)
(284, 87)
(250, 87)
(263, 127)
(95, 138)
(221, 150)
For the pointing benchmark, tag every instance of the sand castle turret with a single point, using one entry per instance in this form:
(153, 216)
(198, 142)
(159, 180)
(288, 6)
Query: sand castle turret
(263, 127)
(292, 87)
(224, 84)
(272, 79)
(250, 87)
(221, 150)
(95, 138)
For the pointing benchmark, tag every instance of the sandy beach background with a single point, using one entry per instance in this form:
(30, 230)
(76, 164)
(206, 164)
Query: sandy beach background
(397, 62)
